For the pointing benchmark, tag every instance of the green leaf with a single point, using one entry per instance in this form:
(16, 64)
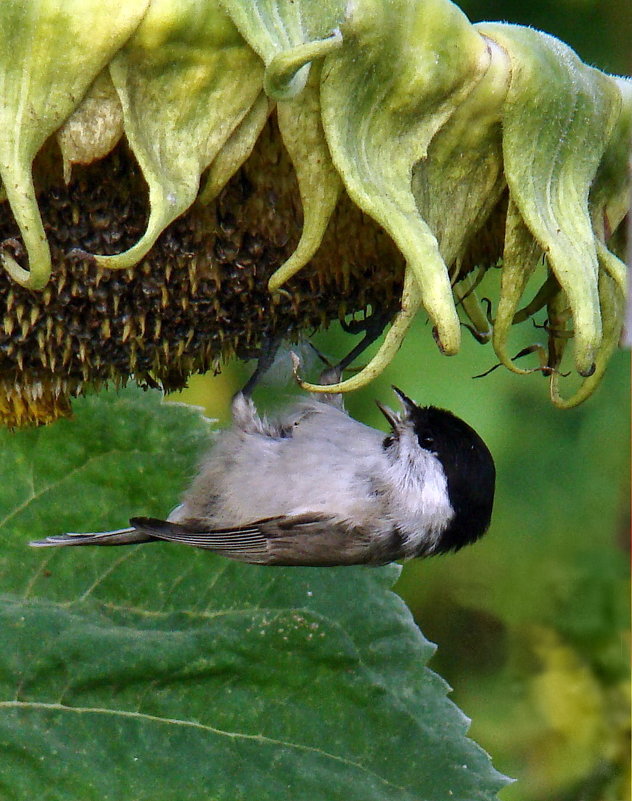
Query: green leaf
(163, 672)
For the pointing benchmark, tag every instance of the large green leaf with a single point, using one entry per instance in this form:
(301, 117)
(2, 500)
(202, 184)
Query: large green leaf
(162, 672)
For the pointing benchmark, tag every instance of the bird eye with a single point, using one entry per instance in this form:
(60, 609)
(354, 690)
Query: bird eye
(426, 441)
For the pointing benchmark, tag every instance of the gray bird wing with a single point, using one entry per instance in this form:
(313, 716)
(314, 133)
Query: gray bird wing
(245, 543)
(306, 539)
(121, 536)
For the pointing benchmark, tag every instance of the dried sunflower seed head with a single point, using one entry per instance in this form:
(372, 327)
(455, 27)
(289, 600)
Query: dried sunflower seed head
(416, 147)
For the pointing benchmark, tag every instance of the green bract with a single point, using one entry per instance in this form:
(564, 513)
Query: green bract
(446, 134)
(51, 51)
(557, 120)
(190, 55)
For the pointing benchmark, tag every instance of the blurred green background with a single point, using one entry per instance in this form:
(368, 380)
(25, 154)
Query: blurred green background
(532, 623)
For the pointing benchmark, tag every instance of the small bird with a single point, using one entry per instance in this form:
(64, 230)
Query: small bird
(317, 488)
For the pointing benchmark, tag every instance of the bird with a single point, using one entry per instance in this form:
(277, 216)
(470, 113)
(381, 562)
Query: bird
(315, 487)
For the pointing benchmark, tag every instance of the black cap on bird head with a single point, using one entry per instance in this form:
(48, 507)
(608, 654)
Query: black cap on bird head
(467, 463)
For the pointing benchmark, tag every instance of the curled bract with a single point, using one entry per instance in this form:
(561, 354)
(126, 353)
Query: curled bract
(191, 58)
(37, 94)
(471, 146)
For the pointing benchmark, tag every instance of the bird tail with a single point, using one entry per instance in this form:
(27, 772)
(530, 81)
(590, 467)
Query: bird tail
(122, 536)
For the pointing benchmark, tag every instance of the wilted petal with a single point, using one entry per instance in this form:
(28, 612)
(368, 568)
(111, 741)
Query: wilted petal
(612, 304)
(401, 74)
(520, 259)
(50, 52)
(189, 52)
(318, 182)
(94, 128)
(288, 35)
(460, 182)
(558, 315)
(236, 149)
(411, 303)
(610, 192)
(558, 117)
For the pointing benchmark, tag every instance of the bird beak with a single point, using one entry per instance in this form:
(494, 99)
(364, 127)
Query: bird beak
(390, 415)
(408, 405)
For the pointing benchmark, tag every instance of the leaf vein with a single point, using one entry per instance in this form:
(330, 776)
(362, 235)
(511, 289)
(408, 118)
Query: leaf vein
(110, 569)
(35, 495)
(258, 738)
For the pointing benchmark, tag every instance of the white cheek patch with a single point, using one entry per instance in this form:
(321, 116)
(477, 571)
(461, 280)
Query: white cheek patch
(436, 511)
(420, 501)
